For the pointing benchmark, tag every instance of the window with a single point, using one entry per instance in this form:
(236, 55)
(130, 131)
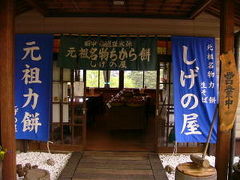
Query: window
(150, 78)
(140, 79)
(68, 106)
(78, 74)
(164, 73)
(98, 78)
(92, 78)
(114, 79)
(133, 79)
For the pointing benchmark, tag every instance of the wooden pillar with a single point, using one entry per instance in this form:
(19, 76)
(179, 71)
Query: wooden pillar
(121, 79)
(227, 26)
(7, 88)
(226, 44)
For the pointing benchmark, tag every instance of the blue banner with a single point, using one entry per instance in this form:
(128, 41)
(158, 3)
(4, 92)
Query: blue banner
(195, 88)
(33, 79)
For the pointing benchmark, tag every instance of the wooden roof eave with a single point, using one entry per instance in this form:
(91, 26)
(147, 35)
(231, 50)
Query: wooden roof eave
(202, 7)
(36, 5)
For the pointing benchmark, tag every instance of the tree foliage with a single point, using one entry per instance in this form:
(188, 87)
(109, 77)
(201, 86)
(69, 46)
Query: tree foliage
(132, 79)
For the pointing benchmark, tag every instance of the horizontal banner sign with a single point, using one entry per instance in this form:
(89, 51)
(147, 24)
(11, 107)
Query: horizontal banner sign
(112, 53)
(33, 78)
(195, 88)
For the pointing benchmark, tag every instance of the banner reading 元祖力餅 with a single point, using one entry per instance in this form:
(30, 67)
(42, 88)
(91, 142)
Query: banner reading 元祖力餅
(195, 88)
(33, 79)
(112, 53)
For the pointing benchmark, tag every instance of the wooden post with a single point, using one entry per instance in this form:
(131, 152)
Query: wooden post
(6, 88)
(157, 111)
(121, 79)
(226, 44)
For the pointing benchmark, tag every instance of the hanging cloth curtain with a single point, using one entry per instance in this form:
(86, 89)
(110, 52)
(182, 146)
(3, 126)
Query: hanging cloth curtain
(108, 53)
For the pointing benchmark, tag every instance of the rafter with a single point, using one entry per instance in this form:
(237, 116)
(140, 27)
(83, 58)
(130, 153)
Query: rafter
(110, 5)
(144, 5)
(36, 5)
(203, 6)
(21, 11)
(216, 13)
(122, 15)
(22, 7)
(180, 5)
(161, 5)
(75, 5)
(127, 5)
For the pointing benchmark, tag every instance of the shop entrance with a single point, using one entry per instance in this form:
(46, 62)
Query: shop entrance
(116, 110)
(120, 120)
(102, 109)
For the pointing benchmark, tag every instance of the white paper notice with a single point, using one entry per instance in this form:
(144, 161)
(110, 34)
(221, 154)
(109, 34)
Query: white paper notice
(79, 88)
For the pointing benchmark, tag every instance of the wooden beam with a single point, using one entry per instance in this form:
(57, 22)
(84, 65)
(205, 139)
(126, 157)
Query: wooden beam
(127, 5)
(226, 44)
(197, 149)
(75, 4)
(36, 5)
(21, 11)
(180, 5)
(144, 5)
(110, 5)
(6, 88)
(161, 5)
(122, 15)
(217, 14)
(203, 6)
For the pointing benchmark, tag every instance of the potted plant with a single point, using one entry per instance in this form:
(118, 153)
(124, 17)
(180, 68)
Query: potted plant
(2, 153)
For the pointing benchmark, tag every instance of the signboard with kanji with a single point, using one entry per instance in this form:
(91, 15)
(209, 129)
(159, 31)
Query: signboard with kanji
(33, 79)
(112, 53)
(229, 91)
(195, 88)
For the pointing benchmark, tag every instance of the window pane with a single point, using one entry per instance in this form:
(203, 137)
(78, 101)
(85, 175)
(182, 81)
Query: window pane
(55, 113)
(102, 83)
(150, 78)
(114, 79)
(66, 91)
(161, 78)
(56, 92)
(67, 74)
(56, 72)
(163, 75)
(171, 94)
(92, 78)
(133, 79)
(78, 75)
(65, 113)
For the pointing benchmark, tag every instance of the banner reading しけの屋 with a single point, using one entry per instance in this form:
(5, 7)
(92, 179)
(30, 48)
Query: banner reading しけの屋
(195, 88)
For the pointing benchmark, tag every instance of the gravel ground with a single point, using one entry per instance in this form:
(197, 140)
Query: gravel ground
(174, 160)
(40, 158)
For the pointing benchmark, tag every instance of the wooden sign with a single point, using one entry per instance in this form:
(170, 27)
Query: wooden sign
(229, 89)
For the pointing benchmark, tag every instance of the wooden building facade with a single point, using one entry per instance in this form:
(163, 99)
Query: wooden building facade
(201, 21)
(204, 24)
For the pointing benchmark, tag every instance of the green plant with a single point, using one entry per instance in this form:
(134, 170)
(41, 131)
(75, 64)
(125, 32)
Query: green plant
(2, 153)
